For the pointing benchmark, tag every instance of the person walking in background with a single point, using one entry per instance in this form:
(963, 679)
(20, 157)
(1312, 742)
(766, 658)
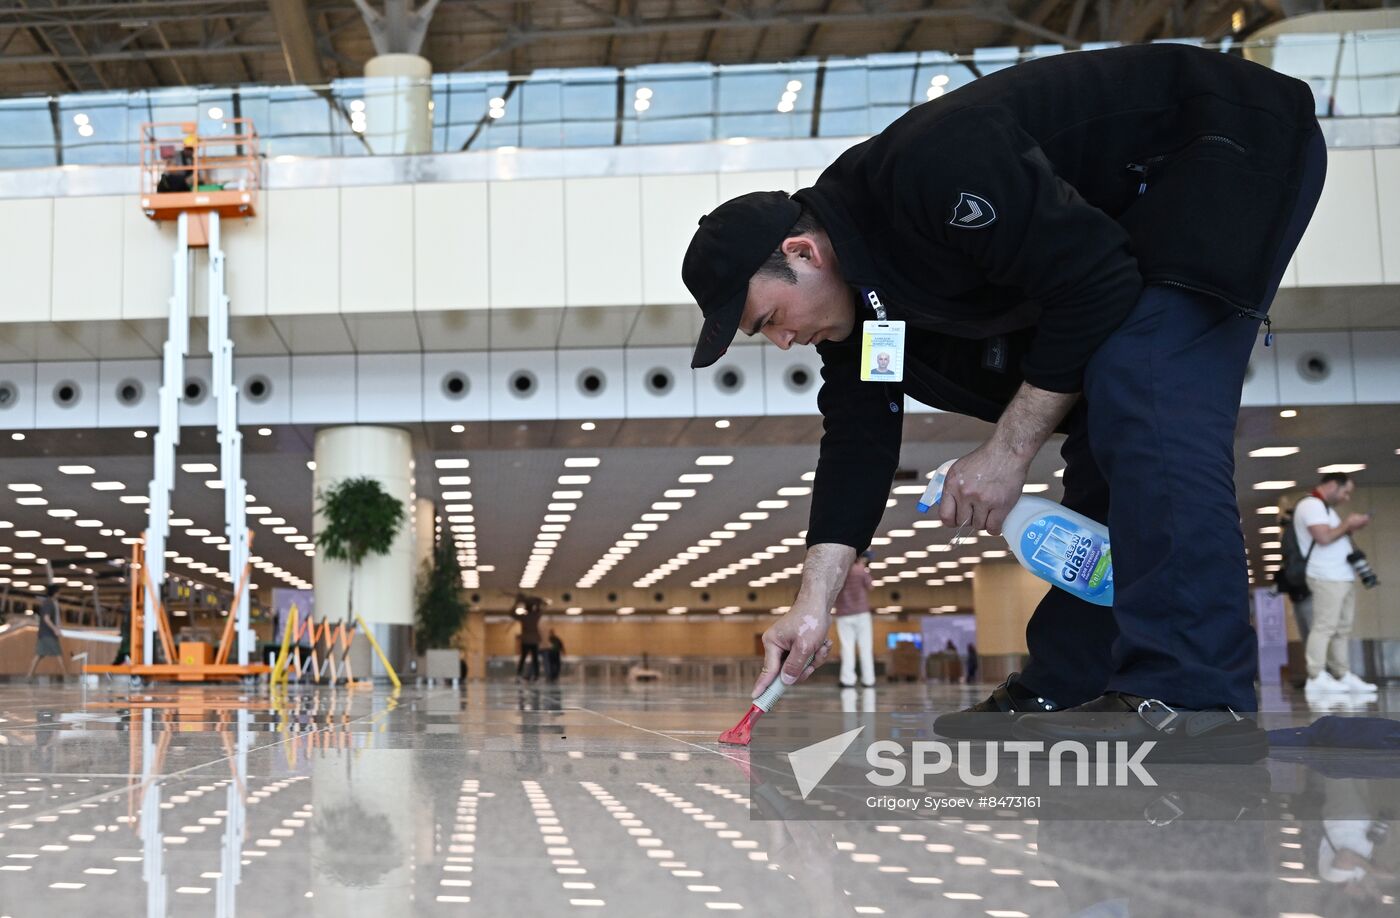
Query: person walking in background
(854, 626)
(531, 607)
(1325, 540)
(50, 640)
(971, 663)
(553, 657)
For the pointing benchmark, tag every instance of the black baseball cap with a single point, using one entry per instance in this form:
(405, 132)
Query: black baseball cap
(732, 243)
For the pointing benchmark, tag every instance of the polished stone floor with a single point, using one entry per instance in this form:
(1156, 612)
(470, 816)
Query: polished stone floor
(519, 801)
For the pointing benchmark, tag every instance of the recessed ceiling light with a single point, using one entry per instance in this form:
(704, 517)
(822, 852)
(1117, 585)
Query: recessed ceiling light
(215, 483)
(1268, 510)
(721, 424)
(108, 486)
(264, 431)
(714, 460)
(199, 468)
(77, 469)
(456, 495)
(1288, 413)
(25, 488)
(1034, 488)
(581, 462)
(16, 436)
(909, 489)
(697, 478)
(798, 491)
(1345, 468)
(452, 463)
(574, 479)
(446, 480)
(140, 434)
(1274, 485)
(459, 428)
(31, 501)
(772, 504)
(1273, 452)
(135, 499)
(311, 464)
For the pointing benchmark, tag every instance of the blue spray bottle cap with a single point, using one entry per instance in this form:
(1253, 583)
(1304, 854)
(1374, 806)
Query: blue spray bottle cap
(934, 492)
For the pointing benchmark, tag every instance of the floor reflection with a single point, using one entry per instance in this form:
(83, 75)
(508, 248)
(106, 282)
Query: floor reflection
(515, 800)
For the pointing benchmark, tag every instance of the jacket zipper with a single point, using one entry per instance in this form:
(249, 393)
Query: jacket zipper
(1143, 168)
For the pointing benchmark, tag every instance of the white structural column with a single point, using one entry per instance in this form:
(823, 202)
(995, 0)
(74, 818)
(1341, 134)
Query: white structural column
(172, 386)
(424, 534)
(152, 840)
(398, 92)
(384, 583)
(230, 439)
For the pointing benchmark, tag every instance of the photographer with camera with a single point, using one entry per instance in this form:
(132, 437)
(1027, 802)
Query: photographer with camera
(1333, 564)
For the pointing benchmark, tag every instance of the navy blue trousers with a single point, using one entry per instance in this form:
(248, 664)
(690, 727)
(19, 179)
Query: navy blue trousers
(1151, 452)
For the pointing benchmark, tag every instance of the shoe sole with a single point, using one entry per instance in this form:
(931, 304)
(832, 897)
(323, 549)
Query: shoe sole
(989, 726)
(1240, 748)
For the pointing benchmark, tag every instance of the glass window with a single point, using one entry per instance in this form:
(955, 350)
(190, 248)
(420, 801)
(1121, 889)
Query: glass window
(26, 134)
(466, 113)
(845, 100)
(299, 122)
(1376, 58)
(939, 74)
(589, 107)
(94, 129)
(765, 101)
(892, 88)
(668, 103)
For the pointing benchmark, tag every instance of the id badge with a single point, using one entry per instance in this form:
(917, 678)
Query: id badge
(882, 351)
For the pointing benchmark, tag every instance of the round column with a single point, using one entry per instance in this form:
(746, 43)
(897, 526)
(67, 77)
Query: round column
(397, 95)
(424, 534)
(383, 583)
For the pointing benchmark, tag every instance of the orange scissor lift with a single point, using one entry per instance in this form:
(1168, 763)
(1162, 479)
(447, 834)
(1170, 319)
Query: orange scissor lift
(195, 181)
(219, 173)
(185, 662)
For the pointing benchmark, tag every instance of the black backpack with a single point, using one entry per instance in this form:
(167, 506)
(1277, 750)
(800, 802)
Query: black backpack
(1292, 576)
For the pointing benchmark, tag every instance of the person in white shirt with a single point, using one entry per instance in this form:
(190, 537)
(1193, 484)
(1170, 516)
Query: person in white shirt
(1324, 538)
(853, 625)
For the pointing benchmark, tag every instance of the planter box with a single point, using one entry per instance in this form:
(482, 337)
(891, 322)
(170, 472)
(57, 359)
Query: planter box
(440, 664)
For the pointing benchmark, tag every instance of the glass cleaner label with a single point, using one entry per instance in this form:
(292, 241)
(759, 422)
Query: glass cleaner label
(1068, 556)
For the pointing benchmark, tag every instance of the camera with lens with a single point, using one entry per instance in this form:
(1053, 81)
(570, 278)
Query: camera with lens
(1358, 562)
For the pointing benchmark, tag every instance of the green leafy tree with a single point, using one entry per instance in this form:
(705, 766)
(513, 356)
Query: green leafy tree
(440, 606)
(361, 519)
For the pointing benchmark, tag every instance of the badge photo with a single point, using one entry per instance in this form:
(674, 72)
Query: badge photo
(882, 351)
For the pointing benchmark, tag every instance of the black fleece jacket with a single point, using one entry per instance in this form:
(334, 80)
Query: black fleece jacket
(1013, 223)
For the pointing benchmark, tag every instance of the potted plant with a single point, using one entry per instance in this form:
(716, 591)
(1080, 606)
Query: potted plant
(360, 519)
(440, 613)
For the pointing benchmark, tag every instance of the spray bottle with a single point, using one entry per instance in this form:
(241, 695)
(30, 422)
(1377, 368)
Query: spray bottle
(1056, 544)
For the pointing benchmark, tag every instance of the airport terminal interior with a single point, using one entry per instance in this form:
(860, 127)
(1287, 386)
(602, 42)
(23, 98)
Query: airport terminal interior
(368, 545)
